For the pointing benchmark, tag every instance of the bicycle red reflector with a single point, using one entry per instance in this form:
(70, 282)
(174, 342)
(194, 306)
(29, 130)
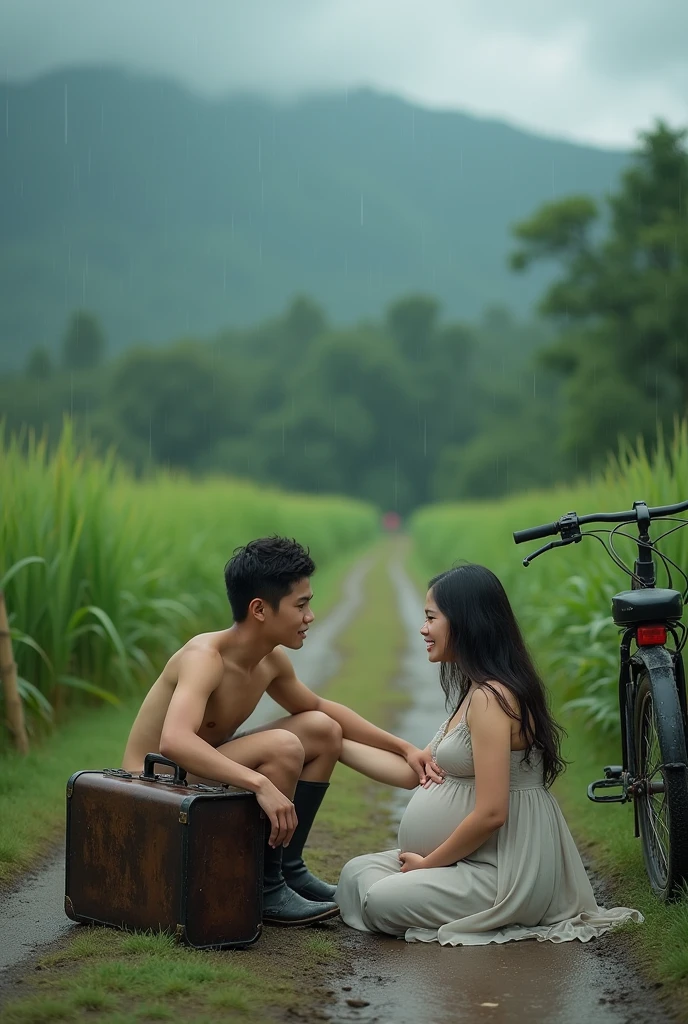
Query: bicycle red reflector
(648, 635)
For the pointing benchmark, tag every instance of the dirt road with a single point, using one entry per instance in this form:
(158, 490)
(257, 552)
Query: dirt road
(392, 981)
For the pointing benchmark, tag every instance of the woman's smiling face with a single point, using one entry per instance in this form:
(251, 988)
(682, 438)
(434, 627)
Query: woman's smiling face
(435, 631)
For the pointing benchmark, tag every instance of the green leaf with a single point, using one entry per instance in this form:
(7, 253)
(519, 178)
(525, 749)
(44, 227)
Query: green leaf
(18, 566)
(31, 695)
(28, 641)
(82, 684)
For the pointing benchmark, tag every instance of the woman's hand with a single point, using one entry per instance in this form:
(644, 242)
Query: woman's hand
(424, 766)
(411, 861)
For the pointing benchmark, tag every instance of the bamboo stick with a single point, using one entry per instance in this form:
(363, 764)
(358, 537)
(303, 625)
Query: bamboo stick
(8, 674)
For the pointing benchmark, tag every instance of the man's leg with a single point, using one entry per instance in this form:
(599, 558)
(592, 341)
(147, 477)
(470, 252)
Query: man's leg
(279, 755)
(321, 739)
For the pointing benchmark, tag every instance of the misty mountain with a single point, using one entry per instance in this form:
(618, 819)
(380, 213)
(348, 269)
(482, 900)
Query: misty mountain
(170, 214)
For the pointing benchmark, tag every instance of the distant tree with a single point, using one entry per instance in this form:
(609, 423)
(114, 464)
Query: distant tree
(304, 321)
(412, 322)
(621, 302)
(39, 365)
(83, 343)
(175, 403)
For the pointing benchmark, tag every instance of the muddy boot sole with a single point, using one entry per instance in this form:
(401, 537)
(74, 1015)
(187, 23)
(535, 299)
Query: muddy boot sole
(278, 922)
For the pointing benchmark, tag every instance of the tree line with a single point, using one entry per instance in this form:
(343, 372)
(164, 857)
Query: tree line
(413, 408)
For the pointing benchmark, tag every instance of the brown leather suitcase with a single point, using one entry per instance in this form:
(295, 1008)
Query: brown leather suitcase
(151, 852)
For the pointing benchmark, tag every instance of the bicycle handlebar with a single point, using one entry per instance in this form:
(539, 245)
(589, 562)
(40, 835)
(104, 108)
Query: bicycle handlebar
(536, 532)
(551, 529)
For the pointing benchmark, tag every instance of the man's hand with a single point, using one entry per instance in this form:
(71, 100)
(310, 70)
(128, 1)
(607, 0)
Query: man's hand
(411, 862)
(424, 766)
(280, 811)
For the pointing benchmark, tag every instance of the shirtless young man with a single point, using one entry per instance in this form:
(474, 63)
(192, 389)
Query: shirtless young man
(209, 688)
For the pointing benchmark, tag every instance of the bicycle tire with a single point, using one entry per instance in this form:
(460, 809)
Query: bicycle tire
(660, 744)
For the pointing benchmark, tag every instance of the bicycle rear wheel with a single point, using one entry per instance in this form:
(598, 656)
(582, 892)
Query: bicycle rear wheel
(662, 794)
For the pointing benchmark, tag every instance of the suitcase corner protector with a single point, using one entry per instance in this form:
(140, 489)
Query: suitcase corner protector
(69, 908)
(180, 933)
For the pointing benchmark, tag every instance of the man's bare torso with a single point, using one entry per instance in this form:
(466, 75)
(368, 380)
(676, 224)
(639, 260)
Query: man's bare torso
(228, 706)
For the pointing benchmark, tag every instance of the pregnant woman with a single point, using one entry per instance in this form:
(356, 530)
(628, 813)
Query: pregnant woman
(485, 854)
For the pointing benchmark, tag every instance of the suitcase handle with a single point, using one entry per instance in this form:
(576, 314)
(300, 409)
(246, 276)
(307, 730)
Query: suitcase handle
(149, 763)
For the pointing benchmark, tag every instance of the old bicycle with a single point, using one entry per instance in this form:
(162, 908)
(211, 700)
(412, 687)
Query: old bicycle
(652, 692)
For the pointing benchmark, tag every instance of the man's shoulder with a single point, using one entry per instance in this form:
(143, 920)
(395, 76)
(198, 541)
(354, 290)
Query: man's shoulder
(278, 663)
(199, 649)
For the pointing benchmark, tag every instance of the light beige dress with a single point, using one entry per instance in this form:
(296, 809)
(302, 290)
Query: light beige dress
(527, 881)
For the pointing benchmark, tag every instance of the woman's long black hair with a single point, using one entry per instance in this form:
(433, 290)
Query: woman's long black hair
(486, 644)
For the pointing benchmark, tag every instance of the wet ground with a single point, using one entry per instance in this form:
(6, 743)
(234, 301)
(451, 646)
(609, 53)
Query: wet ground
(388, 980)
(32, 914)
(394, 982)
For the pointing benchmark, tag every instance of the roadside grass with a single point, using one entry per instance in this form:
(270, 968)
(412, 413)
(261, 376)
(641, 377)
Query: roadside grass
(128, 978)
(32, 795)
(105, 574)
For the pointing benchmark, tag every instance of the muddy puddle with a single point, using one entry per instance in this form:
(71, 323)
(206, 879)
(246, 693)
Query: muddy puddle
(394, 982)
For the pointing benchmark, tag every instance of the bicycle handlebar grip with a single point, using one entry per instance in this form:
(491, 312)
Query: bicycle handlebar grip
(536, 532)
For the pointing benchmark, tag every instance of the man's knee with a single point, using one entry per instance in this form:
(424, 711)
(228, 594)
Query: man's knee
(323, 729)
(286, 748)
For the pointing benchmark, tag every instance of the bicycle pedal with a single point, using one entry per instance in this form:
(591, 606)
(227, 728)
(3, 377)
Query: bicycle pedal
(613, 771)
(615, 798)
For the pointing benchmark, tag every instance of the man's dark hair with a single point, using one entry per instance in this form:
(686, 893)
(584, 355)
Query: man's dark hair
(266, 568)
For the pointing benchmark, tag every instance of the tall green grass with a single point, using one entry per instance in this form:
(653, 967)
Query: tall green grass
(563, 599)
(103, 573)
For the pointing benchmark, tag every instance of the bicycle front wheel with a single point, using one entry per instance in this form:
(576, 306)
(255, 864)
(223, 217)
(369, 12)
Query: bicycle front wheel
(662, 779)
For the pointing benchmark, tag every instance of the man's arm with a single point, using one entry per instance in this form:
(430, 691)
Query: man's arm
(295, 697)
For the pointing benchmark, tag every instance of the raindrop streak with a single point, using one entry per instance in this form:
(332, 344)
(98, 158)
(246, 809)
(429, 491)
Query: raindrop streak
(361, 208)
(7, 118)
(66, 116)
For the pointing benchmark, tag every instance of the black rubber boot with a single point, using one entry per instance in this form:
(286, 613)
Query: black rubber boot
(283, 906)
(307, 800)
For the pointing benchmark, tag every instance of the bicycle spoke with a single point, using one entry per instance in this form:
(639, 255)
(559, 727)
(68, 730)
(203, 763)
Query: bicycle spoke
(654, 805)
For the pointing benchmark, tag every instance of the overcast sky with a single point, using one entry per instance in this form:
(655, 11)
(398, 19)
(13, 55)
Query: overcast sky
(593, 70)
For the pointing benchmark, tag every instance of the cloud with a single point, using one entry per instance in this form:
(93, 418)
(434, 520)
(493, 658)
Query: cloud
(597, 72)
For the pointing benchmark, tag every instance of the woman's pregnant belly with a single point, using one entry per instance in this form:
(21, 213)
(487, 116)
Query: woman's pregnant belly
(433, 814)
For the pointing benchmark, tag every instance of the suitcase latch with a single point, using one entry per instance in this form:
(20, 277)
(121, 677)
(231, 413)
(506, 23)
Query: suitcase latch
(183, 817)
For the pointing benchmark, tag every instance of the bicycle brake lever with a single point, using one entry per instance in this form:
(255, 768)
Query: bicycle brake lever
(548, 547)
